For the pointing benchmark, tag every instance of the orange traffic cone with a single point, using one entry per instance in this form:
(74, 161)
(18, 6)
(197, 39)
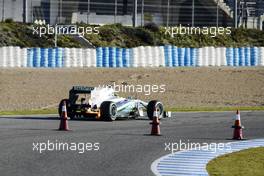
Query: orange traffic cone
(155, 130)
(237, 135)
(64, 118)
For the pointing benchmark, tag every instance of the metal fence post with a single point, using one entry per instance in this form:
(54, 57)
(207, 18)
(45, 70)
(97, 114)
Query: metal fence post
(3, 11)
(88, 11)
(142, 12)
(55, 37)
(25, 10)
(115, 11)
(235, 14)
(217, 13)
(192, 13)
(135, 13)
(31, 11)
(168, 13)
(60, 11)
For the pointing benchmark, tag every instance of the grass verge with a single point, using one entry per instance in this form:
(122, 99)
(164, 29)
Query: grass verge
(217, 109)
(116, 35)
(175, 109)
(248, 162)
(29, 112)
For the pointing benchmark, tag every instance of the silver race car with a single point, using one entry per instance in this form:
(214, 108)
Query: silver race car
(103, 104)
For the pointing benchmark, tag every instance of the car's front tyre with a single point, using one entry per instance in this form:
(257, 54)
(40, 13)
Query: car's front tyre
(155, 105)
(108, 111)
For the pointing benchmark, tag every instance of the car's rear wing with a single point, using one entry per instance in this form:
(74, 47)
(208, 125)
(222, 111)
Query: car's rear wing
(81, 90)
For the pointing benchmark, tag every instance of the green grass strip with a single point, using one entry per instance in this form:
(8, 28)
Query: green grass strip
(248, 162)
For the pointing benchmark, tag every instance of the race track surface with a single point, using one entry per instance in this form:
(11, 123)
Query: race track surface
(126, 148)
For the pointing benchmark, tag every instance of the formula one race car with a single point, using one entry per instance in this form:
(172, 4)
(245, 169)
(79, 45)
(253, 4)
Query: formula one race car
(104, 104)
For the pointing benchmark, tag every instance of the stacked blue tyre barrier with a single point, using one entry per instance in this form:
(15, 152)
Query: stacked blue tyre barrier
(168, 56)
(187, 57)
(183, 57)
(126, 57)
(112, 57)
(59, 57)
(236, 57)
(119, 58)
(242, 57)
(230, 57)
(36, 57)
(44, 58)
(175, 60)
(30, 57)
(247, 57)
(181, 52)
(52, 58)
(193, 56)
(99, 57)
(105, 57)
(254, 56)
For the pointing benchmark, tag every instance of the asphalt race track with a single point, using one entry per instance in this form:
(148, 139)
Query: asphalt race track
(126, 148)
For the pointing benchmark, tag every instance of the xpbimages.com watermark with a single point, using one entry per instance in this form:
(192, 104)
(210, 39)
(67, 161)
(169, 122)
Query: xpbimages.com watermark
(147, 89)
(51, 146)
(188, 30)
(187, 145)
(42, 30)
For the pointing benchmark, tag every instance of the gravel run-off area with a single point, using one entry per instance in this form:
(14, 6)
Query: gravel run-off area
(184, 87)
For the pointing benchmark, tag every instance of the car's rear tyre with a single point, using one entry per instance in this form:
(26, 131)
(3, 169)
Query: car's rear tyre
(108, 111)
(152, 105)
(69, 112)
